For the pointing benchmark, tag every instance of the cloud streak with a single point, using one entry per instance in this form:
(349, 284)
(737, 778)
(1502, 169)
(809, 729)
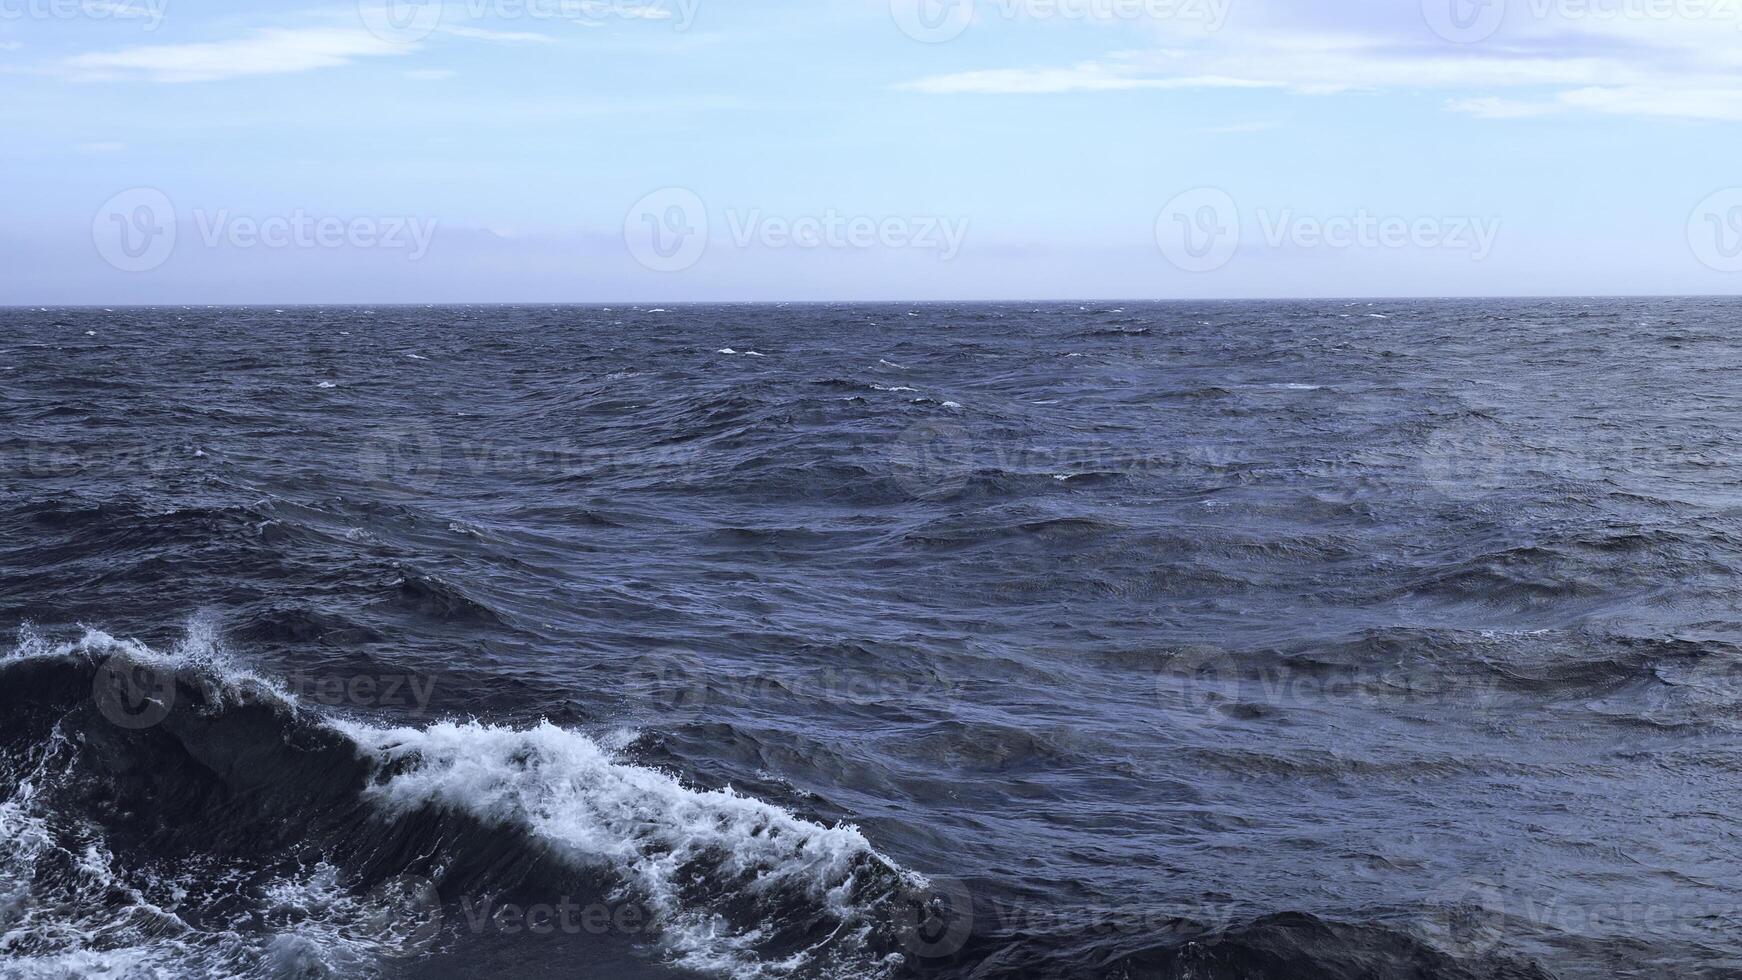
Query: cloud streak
(1540, 61)
(263, 52)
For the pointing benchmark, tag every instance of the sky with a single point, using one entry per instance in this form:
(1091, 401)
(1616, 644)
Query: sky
(380, 151)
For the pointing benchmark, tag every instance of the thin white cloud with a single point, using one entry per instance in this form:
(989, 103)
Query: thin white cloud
(11, 45)
(264, 52)
(498, 37)
(1242, 129)
(1494, 107)
(1082, 78)
(1534, 64)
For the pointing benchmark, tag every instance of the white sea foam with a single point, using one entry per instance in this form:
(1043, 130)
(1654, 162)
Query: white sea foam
(72, 910)
(645, 826)
(564, 789)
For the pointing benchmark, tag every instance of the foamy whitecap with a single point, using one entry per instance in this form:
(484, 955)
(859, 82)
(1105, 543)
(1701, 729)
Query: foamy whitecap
(597, 811)
(723, 874)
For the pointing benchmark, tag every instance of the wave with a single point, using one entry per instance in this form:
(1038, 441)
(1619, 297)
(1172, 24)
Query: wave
(204, 780)
(200, 821)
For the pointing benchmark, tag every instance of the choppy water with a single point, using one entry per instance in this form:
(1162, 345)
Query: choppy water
(1188, 640)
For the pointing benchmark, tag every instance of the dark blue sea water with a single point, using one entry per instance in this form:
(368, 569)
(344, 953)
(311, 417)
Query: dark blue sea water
(1211, 640)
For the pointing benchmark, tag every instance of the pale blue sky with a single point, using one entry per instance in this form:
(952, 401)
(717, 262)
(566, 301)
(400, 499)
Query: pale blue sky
(506, 150)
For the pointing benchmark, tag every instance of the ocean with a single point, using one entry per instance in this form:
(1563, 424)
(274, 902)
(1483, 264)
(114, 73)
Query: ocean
(1328, 639)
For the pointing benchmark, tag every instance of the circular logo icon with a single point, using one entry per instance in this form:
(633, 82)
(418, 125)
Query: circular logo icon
(932, 460)
(134, 231)
(403, 917)
(667, 231)
(401, 21)
(406, 456)
(1715, 231)
(47, 459)
(1199, 230)
(133, 695)
(1194, 683)
(937, 922)
(674, 684)
(1469, 916)
(932, 21)
(1469, 462)
(1464, 21)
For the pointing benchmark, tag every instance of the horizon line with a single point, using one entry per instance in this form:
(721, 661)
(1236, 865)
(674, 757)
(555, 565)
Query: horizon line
(409, 304)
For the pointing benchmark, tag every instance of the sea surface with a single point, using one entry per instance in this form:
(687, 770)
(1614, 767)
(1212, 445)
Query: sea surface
(1331, 639)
